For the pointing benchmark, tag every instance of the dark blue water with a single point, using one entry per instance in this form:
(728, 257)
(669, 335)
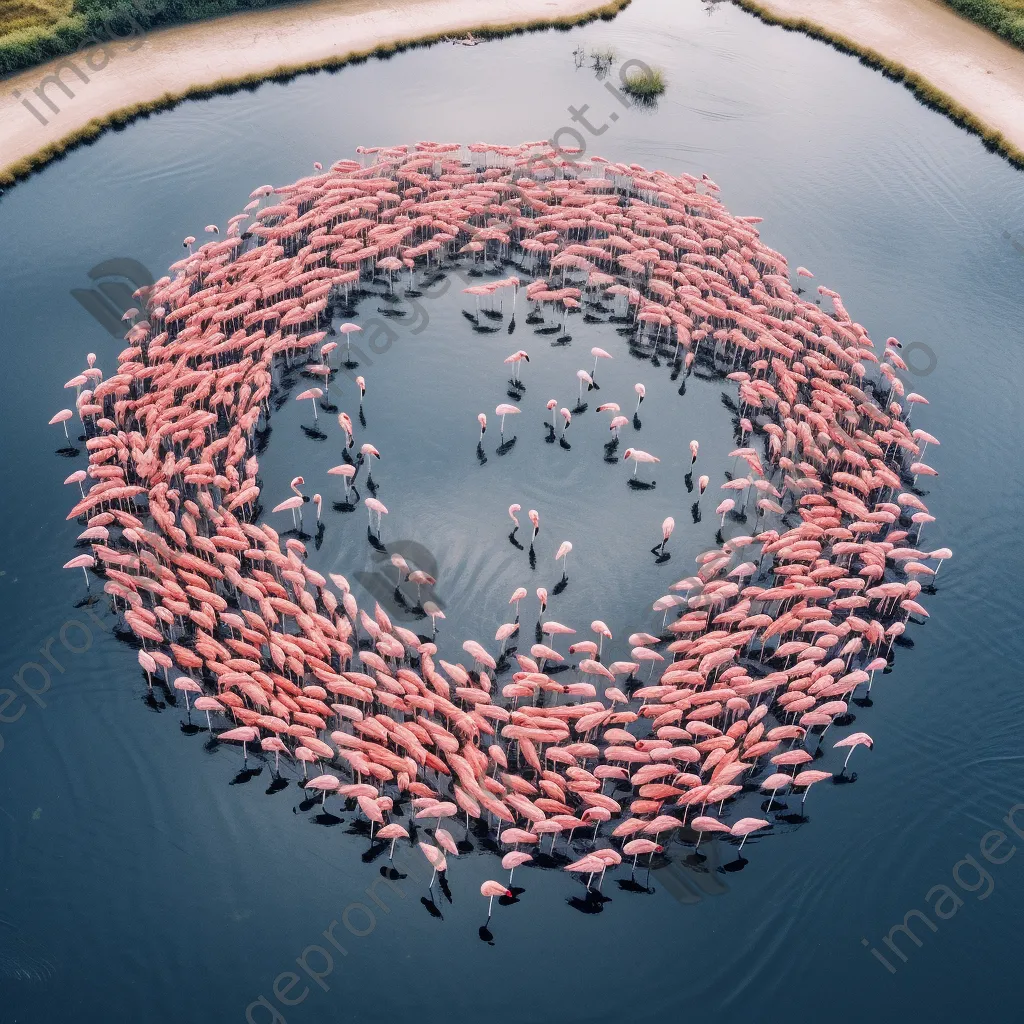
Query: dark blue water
(137, 881)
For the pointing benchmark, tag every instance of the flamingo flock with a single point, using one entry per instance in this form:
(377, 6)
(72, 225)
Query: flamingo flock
(749, 661)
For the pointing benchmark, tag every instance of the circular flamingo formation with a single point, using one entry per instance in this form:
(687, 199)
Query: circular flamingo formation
(746, 662)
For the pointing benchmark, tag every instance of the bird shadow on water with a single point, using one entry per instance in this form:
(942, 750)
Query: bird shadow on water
(374, 852)
(432, 907)
(592, 903)
(327, 819)
(735, 865)
(797, 818)
(246, 775)
(632, 885)
(152, 702)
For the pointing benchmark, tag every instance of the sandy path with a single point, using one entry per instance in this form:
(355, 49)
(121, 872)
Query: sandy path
(144, 68)
(972, 65)
(975, 67)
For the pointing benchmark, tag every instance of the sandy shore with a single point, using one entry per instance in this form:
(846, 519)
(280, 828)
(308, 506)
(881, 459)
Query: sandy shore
(972, 66)
(968, 63)
(143, 69)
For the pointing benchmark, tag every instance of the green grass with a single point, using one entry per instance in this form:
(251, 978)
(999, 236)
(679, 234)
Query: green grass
(35, 31)
(644, 85)
(1004, 17)
(18, 15)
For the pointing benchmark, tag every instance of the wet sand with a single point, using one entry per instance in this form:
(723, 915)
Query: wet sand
(144, 68)
(972, 65)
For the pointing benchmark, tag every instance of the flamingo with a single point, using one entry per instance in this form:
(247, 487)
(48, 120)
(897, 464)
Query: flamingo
(348, 330)
(667, 527)
(172, 467)
(638, 456)
(853, 741)
(584, 378)
(392, 832)
(492, 889)
(373, 505)
(296, 502)
(62, 418)
(566, 420)
(517, 595)
(563, 554)
(504, 410)
(83, 562)
(534, 517)
(244, 734)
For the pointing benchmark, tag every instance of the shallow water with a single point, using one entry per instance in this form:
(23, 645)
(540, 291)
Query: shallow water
(156, 888)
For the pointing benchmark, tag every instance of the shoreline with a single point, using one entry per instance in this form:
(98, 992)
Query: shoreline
(950, 64)
(161, 69)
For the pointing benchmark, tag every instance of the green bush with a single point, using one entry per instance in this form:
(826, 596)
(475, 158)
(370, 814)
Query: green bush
(1004, 17)
(644, 85)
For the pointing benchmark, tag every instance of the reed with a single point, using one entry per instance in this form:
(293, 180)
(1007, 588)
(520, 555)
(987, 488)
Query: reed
(644, 84)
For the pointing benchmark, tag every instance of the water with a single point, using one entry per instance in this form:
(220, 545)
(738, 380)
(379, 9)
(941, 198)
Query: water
(154, 888)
